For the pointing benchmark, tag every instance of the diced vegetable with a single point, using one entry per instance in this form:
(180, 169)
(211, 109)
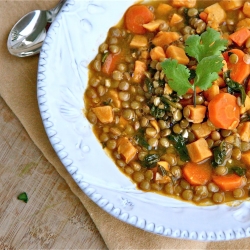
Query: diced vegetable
(140, 68)
(153, 25)
(197, 174)
(110, 63)
(198, 150)
(223, 111)
(211, 92)
(136, 16)
(104, 113)
(197, 113)
(244, 131)
(240, 36)
(228, 182)
(115, 98)
(231, 4)
(220, 82)
(175, 19)
(246, 9)
(184, 3)
(177, 53)
(239, 71)
(215, 15)
(203, 15)
(163, 9)
(126, 149)
(157, 53)
(163, 38)
(139, 41)
(244, 108)
(244, 23)
(202, 131)
(245, 158)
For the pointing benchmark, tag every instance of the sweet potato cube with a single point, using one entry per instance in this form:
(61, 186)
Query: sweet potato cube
(246, 9)
(177, 53)
(198, 150)
(164, 38)
(231, 4)
(157, 53)
(126, 149)
(153, 25)
(197, 113)
(175, 19)
(244, 131)
(123, 122)
(163, 9)
(184, 3)
(216, 15)
(115, 98)
(140, 68)
(245, 158)
(210, 93)
(104, 113)
(244, 108)
(202, 131)
(243, 23)
(139, 41)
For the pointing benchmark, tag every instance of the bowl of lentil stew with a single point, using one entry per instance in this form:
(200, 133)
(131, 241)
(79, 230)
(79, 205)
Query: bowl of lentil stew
(191, 143)
(146, 127)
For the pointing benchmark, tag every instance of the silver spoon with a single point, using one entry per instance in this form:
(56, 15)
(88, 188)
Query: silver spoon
(27, 35)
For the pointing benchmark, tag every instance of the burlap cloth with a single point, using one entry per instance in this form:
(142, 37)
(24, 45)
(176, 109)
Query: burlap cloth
(18, 89)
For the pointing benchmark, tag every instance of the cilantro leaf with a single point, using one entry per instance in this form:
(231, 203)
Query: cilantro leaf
(177, 75)
(23, 197)
(207, 71)
(207, 44)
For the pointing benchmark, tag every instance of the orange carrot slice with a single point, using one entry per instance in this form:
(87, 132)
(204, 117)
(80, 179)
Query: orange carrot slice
(240, 36)
(223, 111)
(197, 174)
(136, 16)
(110, 63)
(228, 182)
(240, 70)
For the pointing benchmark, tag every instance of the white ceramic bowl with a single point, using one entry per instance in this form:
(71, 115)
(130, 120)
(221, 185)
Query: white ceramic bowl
(72, 42)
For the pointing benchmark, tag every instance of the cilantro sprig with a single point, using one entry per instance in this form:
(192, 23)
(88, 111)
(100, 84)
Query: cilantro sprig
(206, 49)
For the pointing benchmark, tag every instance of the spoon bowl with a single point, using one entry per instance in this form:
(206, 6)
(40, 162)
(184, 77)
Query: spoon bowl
(27, 35)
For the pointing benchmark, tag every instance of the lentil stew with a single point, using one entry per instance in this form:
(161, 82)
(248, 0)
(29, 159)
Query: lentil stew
(169, 98)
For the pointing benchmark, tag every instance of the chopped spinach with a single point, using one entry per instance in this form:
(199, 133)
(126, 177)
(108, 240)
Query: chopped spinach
(162, 171)
(141, 140)
(235, 87)
(238, 170)
(150, 160)
(220, 153)
(179, 143)
(105, 55)
(149, 85)
(157, 112)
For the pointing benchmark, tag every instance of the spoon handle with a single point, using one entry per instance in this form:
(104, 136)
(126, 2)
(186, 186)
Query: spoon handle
(51, 14)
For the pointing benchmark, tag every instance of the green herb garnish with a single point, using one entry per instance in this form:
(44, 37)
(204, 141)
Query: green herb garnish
(207, 44)
(23, 197)
(206, 49)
